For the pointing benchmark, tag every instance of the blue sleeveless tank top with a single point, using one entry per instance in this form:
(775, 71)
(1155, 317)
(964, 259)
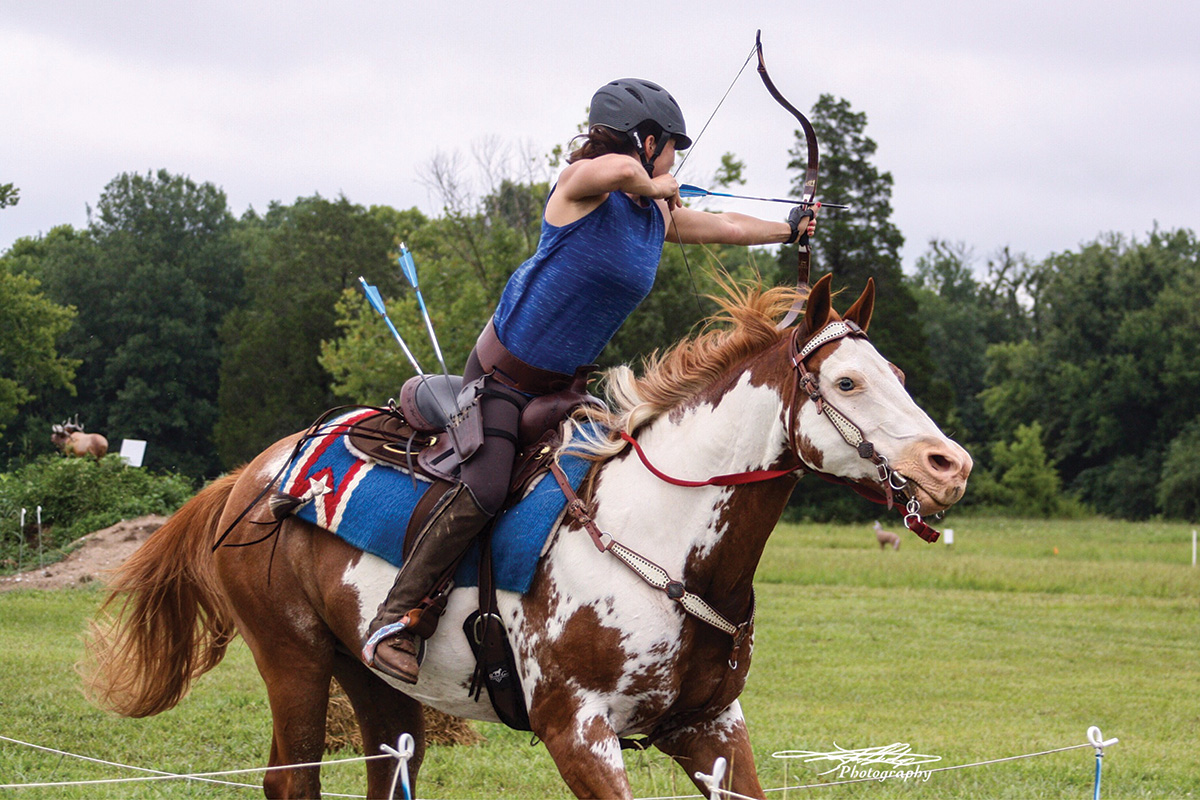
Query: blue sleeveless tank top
(562, 306)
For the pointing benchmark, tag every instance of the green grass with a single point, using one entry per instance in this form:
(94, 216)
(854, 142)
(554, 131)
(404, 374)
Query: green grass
(992, 648)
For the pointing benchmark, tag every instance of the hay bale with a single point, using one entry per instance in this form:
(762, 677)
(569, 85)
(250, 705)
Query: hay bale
(341, 726)
(447, 729)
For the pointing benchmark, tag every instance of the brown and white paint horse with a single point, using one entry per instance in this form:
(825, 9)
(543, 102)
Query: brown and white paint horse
(601, 654)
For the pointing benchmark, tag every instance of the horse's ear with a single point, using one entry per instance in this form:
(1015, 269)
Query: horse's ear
(860, 312)
(819, 305)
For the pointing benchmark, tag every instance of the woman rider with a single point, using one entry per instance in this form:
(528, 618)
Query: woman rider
(602, 237)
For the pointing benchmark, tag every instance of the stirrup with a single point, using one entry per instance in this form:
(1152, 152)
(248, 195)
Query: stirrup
(391, 629)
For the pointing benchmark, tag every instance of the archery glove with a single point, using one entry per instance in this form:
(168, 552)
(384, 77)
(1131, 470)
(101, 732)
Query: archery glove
(798, 218)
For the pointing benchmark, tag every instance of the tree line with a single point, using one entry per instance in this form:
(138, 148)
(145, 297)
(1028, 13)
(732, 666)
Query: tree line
(1074, 381)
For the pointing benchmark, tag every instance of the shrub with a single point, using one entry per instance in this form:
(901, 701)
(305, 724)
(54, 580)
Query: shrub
(1179, 490)
(1126, 487)
(78, 496)
(1023, 482)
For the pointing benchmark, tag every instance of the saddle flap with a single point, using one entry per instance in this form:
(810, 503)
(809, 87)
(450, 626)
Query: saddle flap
(428, 401)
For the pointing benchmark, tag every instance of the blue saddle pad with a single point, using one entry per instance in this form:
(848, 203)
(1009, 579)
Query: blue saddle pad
(368, 504)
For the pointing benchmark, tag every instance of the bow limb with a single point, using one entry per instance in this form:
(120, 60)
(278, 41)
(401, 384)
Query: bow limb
(808, 196)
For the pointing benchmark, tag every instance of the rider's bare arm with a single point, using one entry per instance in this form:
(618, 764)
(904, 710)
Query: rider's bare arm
(690, 226)
(585, 184)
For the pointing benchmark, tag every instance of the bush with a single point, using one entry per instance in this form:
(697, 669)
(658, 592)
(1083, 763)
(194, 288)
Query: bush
(1125, 488)
(78, 496)
(1179, 490)
(1023, 483)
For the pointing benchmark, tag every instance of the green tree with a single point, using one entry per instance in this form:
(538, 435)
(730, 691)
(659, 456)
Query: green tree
(1179, 489)
(1029, 484)
(863, 242)
(963, 316)
(1109, 368)
(30, 328)
(9, 195)
(152, 277)
(45, 259)
(955, 319)
(299, 259)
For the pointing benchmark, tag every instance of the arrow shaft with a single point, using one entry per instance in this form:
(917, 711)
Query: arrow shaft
(377, 303)
(687, 190)
(400, 340)
(409, 267)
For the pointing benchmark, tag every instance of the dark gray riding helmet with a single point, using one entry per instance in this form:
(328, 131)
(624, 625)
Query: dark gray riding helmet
(626, 103)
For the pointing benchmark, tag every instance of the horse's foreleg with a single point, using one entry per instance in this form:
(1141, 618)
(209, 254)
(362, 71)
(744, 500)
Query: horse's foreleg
(586, 751)
(697, 747)
(384, 713)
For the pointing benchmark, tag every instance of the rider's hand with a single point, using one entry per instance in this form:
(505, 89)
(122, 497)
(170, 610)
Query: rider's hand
(796, 219)
(667, 188)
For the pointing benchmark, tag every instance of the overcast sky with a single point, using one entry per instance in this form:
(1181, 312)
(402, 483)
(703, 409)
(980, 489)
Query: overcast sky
(1036, 125)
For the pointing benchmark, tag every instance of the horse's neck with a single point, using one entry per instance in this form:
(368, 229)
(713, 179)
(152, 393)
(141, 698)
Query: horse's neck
(714, 535)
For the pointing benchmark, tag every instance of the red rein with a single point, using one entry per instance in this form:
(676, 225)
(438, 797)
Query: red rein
(913, 523)
(733, 479)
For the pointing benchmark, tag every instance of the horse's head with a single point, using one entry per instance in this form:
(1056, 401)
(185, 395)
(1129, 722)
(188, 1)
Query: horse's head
(853, 419)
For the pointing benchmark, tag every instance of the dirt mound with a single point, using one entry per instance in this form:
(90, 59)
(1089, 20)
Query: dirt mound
(93, 556)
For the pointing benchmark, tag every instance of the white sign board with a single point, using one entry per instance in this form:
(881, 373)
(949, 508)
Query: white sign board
(133, 451)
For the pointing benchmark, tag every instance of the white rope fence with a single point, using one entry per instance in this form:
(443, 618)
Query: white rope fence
(403, 752)
(1095, 740)
(204, 777)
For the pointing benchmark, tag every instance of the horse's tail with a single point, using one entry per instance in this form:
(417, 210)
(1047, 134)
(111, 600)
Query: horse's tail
(172, 623)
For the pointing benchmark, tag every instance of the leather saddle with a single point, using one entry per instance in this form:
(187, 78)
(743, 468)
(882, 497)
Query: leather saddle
(435, 426)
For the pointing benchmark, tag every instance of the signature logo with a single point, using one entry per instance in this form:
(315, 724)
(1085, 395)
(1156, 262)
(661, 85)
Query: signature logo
(864, 763)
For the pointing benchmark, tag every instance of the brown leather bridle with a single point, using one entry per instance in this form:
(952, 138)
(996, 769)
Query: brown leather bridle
(895, 486)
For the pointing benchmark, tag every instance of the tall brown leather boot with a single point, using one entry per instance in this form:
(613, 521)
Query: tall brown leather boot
(452, 525)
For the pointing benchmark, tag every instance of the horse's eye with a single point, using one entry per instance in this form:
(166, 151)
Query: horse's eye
(845, 384)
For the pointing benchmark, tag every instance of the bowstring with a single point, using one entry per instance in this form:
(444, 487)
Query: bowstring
(682, 161)
(699, 136)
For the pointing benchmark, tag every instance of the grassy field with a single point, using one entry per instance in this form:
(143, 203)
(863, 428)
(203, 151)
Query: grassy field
(996, 647)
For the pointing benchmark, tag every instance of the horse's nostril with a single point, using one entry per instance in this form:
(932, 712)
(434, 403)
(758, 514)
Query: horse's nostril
(939, 463)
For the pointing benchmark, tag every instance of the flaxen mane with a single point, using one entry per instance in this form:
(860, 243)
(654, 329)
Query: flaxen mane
(742, 328)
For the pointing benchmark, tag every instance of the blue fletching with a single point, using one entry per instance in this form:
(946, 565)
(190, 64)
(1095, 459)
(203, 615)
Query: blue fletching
(407, 265)
(373, 296)
(687, 190)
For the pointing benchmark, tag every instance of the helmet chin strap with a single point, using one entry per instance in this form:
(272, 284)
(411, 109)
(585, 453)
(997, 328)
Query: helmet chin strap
(660, 144)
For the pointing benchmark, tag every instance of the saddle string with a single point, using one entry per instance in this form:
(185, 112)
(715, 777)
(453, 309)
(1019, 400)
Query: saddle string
(315, 431)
